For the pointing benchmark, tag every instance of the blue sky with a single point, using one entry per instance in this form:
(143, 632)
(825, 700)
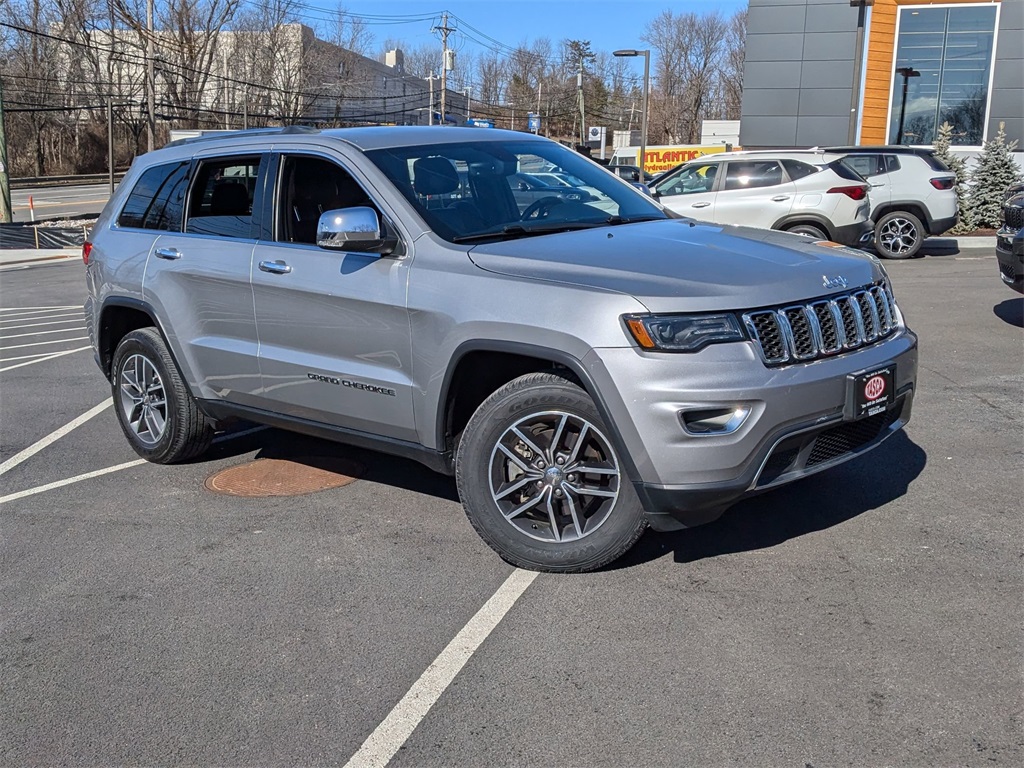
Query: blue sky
(608, 24)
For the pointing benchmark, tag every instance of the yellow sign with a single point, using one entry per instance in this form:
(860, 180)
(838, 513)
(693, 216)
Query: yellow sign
(660, 159)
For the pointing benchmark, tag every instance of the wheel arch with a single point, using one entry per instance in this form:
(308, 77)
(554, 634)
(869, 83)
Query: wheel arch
(461, 395)
(904, 206)
(809, 217)
(118, 317)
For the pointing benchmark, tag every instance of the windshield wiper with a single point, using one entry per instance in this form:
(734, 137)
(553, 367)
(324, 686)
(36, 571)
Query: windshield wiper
(613, 220)
(514, 231)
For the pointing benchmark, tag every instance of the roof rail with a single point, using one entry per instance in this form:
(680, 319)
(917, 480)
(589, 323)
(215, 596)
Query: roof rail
(285, 131)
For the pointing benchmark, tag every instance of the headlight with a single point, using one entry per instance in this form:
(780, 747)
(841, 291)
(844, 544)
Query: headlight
(683, 333)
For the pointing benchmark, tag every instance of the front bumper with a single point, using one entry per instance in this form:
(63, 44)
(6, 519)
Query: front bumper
(684, 479)
(856, 235)
(1010, 255)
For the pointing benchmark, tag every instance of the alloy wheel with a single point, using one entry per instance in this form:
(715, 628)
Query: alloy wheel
(554, 476)
(898, 235)
(143, 399)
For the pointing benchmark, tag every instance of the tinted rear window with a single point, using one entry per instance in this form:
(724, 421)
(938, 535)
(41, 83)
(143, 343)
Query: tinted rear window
(934, 163)
(798, 170)
(844, 171)
(158, 199)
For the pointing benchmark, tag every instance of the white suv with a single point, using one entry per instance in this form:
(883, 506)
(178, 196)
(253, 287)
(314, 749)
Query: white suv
(795, 191)
(913, 194)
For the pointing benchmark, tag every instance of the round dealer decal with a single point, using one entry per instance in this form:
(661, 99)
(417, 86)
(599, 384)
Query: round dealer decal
(875, 388)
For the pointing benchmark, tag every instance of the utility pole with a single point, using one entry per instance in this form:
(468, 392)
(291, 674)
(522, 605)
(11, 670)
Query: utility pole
(430, 113)
(110, 142)
(150, 81)
(445, 30)
(6, 212)
(227, 96)
(583, 117)
(469, 99)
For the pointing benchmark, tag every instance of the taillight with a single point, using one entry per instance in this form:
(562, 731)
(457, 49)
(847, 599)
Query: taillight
(942, 183)
(857, 192)
(86, 250)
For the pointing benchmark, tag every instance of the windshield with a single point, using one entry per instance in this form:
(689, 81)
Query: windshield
(486, 189)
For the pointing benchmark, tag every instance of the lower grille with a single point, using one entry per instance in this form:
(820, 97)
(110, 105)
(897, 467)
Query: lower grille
(1008, 271)
(848, 437)
(810, 449)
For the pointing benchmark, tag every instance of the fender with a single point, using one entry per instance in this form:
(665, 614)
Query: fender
(530, 350)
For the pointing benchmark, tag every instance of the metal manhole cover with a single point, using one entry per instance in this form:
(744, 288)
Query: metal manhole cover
(284, 477)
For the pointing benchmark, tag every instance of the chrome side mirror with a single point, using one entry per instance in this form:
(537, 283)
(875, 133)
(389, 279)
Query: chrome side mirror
(353, 229)
(644, 188)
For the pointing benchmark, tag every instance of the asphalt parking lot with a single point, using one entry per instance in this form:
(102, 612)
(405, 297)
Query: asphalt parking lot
(869, 616)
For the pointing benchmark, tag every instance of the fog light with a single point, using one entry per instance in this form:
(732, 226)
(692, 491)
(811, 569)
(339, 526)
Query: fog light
(714, 421)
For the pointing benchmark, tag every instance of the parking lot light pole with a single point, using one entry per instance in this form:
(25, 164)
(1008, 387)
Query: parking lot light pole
(647, 87)
(907, 72)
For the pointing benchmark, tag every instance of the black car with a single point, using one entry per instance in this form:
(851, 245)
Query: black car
(1010, 242)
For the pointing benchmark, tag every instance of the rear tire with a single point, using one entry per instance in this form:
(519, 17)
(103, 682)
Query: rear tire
(899, 235)
(156, 411)
(810, 230)
(540, 481)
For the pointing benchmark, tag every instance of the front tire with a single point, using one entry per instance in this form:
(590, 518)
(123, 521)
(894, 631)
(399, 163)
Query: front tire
(541, 482)
(156, 411)
(899, 235)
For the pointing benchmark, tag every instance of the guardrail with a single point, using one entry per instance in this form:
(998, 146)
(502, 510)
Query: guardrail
(62, 181)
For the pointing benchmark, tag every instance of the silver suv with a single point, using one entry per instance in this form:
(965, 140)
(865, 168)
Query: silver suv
(584, 368)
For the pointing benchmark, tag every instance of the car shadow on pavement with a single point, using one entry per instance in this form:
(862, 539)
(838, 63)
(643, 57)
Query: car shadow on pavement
(809, 505)
(939, 246)
(1011, 311)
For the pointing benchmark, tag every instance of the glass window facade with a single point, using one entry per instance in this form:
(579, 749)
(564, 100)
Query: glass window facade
(951, 48)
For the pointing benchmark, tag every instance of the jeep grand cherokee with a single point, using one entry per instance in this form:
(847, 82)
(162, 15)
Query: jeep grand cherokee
(584, 368)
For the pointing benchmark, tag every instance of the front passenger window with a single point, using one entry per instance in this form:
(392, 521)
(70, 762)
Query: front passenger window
(222, 196)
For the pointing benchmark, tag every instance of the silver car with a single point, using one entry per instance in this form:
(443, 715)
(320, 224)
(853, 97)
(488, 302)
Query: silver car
(585, 369)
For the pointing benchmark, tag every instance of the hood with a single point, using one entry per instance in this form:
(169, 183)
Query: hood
(682, 266)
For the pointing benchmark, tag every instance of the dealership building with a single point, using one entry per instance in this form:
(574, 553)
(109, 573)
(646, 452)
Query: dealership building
(836, 72)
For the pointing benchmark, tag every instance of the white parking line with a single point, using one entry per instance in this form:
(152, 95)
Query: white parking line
(69, 481)
(110, 470)
(38, 325)
(398, 726)
(53, 437)
(40, 343)
(39, 314)
(21, 309)
(39, 358)
(3, 336)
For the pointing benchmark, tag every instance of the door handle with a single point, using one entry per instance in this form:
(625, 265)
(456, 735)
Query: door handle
(700, 205)
(275, 267)
(168, 253)
(780, 198)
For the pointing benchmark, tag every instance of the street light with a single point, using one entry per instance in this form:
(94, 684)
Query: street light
(907, 72)
(643, 120)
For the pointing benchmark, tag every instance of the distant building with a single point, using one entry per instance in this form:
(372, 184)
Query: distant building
(803, 86)
(287, 75)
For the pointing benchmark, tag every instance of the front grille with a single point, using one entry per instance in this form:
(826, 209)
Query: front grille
(1007, 270)
(808, 332)
(1013, 215)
